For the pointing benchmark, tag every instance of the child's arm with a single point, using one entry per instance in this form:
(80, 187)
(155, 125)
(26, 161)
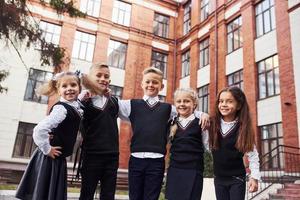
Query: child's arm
(254, 169)
(42, 130)
(124, 109)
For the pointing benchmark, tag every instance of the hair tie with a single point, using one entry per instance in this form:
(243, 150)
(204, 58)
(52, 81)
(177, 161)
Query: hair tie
(78, 74)
(57, 76)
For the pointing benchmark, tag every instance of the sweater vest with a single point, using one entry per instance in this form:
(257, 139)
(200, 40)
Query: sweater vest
(228, 161)
(150, 126)
(100, 128)
(187, 147)
(65, 134)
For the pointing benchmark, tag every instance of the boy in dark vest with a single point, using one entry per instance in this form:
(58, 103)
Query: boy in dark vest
(149, 120)
(100, 146)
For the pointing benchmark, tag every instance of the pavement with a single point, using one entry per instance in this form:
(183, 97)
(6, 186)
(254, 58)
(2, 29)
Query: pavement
(9, 195)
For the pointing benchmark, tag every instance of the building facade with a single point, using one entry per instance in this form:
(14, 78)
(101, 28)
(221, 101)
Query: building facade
(203, 44)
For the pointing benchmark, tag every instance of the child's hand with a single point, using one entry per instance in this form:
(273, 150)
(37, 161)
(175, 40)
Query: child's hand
(107, 92)
(54, 152)
(253, 185)
(84, 95)
(204, 121)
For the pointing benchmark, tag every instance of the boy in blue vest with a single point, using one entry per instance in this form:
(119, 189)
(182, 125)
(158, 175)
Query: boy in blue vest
(150, 121)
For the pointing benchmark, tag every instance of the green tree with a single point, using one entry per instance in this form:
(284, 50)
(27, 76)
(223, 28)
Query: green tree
(16, 26)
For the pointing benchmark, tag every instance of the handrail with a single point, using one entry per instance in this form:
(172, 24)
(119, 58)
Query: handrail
(280, 165)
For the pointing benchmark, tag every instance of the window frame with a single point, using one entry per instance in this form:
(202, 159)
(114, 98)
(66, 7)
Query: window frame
(187, 17)
(119, 53)
(204, 10)
(164, 27)
(85, 8)
(185, 62)
(85, 43)
(118, 12)
(239, 83)
(231, 36)
(114, 88)
(24, 134)
(204, 53)
(203, 96)
(264, 74)
(52, 31)
(161, 62)
(33, 79)
(261, 14)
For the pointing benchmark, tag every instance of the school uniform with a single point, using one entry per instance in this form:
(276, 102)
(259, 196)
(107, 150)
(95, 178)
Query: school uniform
(100, 146)
(185, 172)
(229, 169)
(46, 178)
(149, 121)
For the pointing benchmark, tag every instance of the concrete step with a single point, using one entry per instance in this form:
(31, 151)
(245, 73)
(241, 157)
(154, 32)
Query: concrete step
(10, 195)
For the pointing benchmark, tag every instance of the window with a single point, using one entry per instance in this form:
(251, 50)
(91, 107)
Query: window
(271, 137)
(234, 35)
(268, 77)
(185, 64)
(84, 45)
(187, 18)
(161, 25)
(236, 79)
(265, 17)
(116, 91)
(90, 7)
(121, 13)
(24, 145)
(116, 54)
(50, 32)
(35, 80)
(203, 99)
(204, 10)
(159, 60)
(204, 53)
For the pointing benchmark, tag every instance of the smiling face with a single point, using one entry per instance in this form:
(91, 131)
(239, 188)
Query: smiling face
(101, 76)
(228, 106)
(185, 104)
(68, 87)
(152, 84)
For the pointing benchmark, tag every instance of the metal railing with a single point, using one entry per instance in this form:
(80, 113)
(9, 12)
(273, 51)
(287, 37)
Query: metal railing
(280, 165)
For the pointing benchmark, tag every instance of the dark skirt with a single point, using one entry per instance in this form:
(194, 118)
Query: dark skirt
(44, 179)
(184, 184)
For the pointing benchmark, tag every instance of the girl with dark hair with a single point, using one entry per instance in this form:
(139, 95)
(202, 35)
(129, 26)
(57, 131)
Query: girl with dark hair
(232, 137)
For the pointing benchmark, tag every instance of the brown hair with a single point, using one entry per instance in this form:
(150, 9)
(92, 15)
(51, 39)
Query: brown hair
(193, 95)
(52, 86)
(245, 141)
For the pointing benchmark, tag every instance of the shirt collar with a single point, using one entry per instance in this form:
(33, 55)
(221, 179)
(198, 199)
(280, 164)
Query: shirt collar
(229, 123)
(189, 118)
(147, 98)
(74, 103)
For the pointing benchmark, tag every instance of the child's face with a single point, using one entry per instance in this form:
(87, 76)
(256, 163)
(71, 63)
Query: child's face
(101, 76)
(228, 106)
(152, 84)
(184, 104)
(68, 88)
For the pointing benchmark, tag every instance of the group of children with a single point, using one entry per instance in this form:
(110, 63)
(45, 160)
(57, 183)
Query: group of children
(153, 123)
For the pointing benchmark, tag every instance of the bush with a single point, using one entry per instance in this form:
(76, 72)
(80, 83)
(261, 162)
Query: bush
(208, 165)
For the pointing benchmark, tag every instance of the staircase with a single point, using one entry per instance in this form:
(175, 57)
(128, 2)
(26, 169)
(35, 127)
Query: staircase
(290, 191)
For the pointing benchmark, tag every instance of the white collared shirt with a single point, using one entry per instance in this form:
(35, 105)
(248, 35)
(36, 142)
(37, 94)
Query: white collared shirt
(124, 113)
(43, 128)
(252, 155)
(99, 101)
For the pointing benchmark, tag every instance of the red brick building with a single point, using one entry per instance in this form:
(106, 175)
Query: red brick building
(203, 44)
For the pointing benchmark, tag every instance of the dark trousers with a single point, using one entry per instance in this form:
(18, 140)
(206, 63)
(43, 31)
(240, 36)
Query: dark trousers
(230, 188)
(97, 168)
(145, 178)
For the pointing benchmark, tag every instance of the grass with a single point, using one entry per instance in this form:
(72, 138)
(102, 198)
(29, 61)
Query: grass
(8, 187)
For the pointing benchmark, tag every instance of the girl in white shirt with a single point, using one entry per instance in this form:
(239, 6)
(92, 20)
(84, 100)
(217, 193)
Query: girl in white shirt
(46, 175)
